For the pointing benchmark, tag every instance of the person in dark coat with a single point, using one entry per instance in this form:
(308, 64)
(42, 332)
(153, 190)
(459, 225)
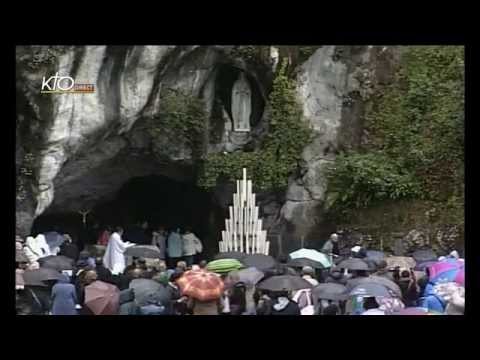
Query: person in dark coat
(382, 270)
(68, 248)
(103, 273)
(283, 305)
(336, 276)
(238, 301)
(408, 285)
(64, 297)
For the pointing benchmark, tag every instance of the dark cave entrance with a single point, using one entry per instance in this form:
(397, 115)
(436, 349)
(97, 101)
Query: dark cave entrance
(157, 199)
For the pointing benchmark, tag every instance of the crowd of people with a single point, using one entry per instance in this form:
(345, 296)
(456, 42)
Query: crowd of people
(180, 255)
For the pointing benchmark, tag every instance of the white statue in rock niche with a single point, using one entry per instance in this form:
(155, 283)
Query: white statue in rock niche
(241, 104)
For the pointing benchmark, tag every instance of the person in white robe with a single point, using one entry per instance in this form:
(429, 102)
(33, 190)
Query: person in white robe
(36, 248)
(114, 258)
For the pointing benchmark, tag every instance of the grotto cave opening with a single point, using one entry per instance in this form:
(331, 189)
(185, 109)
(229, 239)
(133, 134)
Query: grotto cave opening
(157, 199)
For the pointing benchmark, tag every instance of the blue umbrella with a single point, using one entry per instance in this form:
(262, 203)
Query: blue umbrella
(54, 239)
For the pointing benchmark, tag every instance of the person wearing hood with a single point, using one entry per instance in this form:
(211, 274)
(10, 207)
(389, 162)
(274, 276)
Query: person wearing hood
(191, 246)
(114, 258)
(174, 247)
(64, 297)
(283, 305)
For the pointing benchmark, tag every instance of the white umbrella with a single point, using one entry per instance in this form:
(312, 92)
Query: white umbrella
(312, 255)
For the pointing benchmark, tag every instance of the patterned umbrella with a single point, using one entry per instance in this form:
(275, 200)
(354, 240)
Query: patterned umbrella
(312, 255)
(37, 277)
(59, 262)
(284, 283)
(441, 273)
(201, 285)
(260, 261)
(145, 251)
(445, 265)
(400, 261)
(102, 298)
(424, 255)
(230, 255)
(353, 264)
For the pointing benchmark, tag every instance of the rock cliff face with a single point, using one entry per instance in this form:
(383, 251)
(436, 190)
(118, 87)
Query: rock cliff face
(86, 146)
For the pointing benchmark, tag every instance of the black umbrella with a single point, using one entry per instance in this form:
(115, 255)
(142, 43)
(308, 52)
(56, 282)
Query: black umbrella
(375, 255)
(389, 284)
(301, 262)
(260, 261)
(145, 251)
(147, 291)
(353, 264)
(330, 291)
(424, 255)
(370, 289)
(230, 255)
(37, 277)
(284, 283)
(56, 262)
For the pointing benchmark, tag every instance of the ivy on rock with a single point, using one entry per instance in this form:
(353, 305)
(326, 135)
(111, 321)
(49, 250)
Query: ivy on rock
(271, 165)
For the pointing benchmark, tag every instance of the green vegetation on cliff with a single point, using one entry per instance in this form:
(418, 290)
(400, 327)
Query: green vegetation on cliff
(415, 148)
(271, 164)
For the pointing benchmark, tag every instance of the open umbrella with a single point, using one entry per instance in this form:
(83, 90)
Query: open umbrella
(230, 255)
(145, 251)
(284, 283)
(312, 254)
(370, 289)
(301, 262)
(330, 291)
(375, 255)
(147, 291)
(440, 267)
(37, 277)
(456, 275)
(223, 266)
(102, 298)
(400, 261)
(382, 281)
(424, 265)
(424, 255)
(201, 285)
(260, 261)
(54, 239)
(353, 264)
(249, 276)
(59, 262)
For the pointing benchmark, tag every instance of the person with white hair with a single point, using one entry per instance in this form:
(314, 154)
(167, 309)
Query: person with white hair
(331, 245)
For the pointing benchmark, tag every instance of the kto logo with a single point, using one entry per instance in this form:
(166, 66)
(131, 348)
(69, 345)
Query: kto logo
(64, 84)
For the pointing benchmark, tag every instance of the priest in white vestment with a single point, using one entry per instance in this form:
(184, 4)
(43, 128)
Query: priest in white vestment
(114, 258)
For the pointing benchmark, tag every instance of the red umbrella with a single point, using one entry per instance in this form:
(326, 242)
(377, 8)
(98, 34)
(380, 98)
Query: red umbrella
(201, 285)
(102, 298)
